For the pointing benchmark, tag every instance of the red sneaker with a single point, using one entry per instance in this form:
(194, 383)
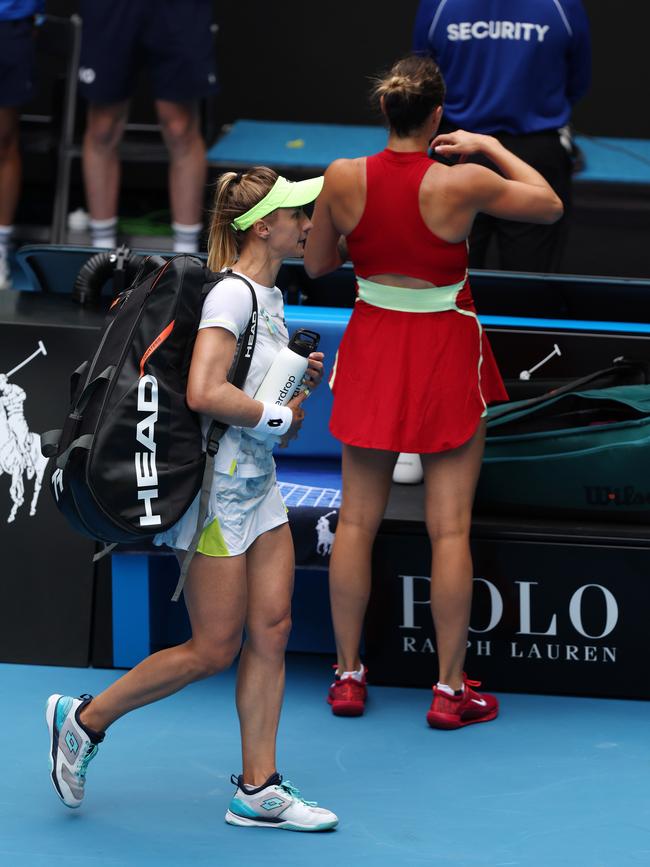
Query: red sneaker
(347, 695)
(454, 711)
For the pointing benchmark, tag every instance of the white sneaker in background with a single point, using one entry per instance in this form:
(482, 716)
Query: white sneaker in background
(408, 469)
(5, 273)
(78, 220)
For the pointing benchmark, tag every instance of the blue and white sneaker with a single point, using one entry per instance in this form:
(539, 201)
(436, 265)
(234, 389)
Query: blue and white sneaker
(276, 804)
(71, 747)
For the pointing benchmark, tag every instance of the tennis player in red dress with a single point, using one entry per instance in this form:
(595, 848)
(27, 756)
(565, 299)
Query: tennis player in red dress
(414, 371)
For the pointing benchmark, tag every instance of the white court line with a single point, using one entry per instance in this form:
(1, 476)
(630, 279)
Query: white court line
(306, 493)
(299, 495)
(287, 494)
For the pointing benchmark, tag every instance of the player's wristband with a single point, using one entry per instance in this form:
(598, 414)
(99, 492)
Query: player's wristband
(276, 420)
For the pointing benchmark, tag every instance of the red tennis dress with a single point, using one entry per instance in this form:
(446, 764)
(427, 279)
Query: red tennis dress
(414, 371)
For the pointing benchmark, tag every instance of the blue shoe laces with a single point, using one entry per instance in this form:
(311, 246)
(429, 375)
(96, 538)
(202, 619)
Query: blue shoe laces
(295, 793)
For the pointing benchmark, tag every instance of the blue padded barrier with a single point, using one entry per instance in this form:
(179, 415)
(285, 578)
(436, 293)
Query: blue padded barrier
(131, 631)
(313, 146)
(614, 160)
(294, 144)
(315, 439)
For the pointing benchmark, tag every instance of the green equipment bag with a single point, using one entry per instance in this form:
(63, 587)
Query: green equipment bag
(575, 452)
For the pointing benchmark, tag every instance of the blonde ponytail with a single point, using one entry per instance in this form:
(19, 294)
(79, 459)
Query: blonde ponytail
(236, 193)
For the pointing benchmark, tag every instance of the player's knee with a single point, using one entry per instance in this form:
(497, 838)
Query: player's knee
(209, 659)
(269, 636)
(448, 529)
(356, 523)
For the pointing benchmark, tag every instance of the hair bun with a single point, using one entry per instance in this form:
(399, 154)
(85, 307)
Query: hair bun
(410, 90)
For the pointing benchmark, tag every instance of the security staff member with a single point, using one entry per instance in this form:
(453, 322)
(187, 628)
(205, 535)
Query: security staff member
(513, 70)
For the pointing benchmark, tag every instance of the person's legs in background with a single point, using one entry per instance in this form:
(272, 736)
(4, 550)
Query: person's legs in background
(187, 170)
(181, 57)
(173, 41)
(101, 168)
(108, 67)
(16, 89)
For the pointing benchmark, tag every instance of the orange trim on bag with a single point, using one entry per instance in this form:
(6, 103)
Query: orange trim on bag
(156, 343)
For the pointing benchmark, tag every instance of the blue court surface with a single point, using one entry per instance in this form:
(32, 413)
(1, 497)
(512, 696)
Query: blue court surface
(552, 782)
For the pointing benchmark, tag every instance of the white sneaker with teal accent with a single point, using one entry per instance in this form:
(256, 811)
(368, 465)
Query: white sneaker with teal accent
(276, 804)
(71, 748)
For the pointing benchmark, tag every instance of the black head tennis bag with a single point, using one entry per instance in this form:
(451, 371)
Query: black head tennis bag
(129, 460)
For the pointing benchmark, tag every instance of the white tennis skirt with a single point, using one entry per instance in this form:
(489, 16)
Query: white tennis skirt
(240, 510)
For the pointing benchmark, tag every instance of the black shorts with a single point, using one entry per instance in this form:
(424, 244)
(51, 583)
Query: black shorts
(173, 39)
(16, 62)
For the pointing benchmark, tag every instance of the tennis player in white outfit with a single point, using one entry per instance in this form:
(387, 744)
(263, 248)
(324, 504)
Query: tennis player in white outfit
(242, 574)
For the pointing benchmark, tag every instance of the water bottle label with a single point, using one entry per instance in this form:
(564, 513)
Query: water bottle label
(286, 388)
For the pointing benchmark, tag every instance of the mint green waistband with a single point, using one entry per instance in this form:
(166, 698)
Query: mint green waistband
(434, 300)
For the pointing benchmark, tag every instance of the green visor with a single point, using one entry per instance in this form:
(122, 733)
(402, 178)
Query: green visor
(283, 194)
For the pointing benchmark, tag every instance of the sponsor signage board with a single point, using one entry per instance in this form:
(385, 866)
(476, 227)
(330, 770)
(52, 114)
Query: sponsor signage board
(546, 617)
(46, 576)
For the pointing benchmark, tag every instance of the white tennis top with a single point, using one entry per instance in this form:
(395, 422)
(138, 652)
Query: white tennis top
(228, 305)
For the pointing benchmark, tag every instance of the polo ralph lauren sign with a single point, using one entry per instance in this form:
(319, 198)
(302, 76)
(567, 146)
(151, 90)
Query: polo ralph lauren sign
(546, 617)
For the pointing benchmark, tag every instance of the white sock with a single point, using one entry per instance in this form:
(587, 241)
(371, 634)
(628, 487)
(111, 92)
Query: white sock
(355, 675)
(103, 233)
(186, 238)
(444, 687)
(5, 240)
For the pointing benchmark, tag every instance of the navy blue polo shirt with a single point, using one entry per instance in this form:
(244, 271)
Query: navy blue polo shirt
(514, 66)
(13, 10)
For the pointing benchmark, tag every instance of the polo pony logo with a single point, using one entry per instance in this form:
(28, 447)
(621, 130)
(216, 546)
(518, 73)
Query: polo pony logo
(325, 535)
(20, 449)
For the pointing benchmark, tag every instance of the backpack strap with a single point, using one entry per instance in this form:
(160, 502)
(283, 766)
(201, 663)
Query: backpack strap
(82, 401)
(237, 376)
(51, 438)
(82, 442)
(50, 442)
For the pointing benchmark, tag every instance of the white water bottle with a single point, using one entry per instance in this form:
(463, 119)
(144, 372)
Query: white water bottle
(284, 377)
